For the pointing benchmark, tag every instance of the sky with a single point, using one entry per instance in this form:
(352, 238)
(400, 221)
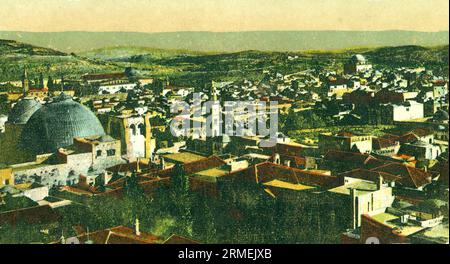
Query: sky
(222, 15)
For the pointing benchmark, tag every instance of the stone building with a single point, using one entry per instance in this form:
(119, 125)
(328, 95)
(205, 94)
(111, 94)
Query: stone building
(134, 132)
(66, 165)
(357, 64)
(345, 142)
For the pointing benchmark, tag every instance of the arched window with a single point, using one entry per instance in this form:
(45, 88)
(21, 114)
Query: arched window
(142, 129)
(133, 129)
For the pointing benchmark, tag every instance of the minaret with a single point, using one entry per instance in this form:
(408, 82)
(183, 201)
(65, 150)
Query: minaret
(213, 91)
(25, 82)
(215, 112)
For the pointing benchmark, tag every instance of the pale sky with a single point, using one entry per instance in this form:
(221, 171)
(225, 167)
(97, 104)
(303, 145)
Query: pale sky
(222, 15)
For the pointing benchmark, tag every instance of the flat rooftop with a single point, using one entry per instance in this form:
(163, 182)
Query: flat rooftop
(360, 186)
(393, 222)
(287, 185)
(183, 157)
(211, 175)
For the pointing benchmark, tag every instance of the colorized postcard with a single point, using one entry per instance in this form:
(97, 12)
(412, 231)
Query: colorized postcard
(224, 122)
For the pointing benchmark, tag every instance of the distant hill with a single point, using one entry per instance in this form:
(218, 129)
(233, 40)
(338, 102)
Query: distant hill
(410, 55)
(229, 41)
(14, 56)
(10, 47)
(120, 53)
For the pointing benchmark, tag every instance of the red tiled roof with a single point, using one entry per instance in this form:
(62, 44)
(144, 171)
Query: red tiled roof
(176, 239)
(355, 159)
(267, 171)
(119, 235)
(287, 149)
(422, 131)
(148, 186)
(381, 143)
(408, 138)
(33, 215)
(390, 137)
(345, 156)
(370, 175)
(410, 176)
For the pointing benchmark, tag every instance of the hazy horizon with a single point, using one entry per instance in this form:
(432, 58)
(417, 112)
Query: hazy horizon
(211, 31)
(158, 16)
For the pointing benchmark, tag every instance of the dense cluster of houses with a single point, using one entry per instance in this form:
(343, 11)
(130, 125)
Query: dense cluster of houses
(394, 186)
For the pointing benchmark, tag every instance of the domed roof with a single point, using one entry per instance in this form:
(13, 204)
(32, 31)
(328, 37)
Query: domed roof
(55, 125)
(441, 115)
(359, 58)
(23, 110)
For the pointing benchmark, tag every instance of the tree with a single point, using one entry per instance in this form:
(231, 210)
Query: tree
(4, 108)
(183, 203)
(50, 83)
(41, 81)
(204, 223)
(158, 87)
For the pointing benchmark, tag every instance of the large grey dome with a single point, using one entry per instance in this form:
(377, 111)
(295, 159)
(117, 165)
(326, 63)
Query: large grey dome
(55, 125)
(23, 110)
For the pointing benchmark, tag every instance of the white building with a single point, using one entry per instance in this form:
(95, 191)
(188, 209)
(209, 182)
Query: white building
(408, 111)
(115, 88)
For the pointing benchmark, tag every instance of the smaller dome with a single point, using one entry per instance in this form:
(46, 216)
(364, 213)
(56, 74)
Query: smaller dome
(441, 115)
(23, 110)
(359, 58)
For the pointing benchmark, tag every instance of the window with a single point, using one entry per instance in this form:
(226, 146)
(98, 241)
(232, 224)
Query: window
(6, 182)
(111, 152)
(142, 129)
(133, 129)
(99, 153)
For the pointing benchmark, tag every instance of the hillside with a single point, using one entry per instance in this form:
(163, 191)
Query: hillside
(184, 66)
(410, 56)
(13, 48)
(14, 56)
(123, 53)
(229, 41)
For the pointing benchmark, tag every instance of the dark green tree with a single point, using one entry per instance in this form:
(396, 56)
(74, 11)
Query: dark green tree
(41, 81)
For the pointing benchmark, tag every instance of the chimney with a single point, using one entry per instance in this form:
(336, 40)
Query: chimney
(136, 228)
(380, 182)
